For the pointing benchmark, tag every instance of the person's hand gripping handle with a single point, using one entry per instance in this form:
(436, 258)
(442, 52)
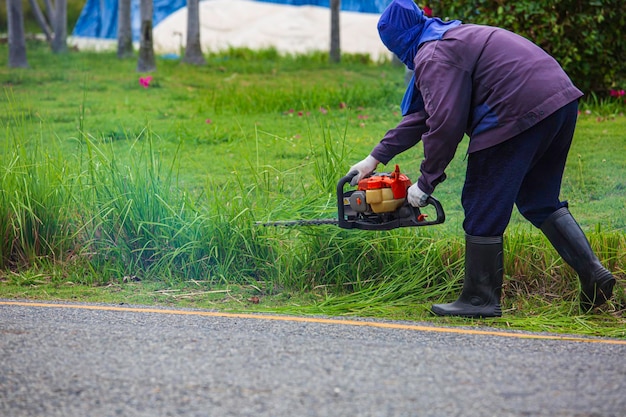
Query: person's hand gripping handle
(363, 168)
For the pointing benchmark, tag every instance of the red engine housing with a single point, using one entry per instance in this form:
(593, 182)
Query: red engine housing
(398, 182)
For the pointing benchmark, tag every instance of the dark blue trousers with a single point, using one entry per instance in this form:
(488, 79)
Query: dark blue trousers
(525, 171)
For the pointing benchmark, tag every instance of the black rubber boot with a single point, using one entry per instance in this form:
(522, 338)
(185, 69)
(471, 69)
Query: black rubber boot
(571, 243)
(482, 286)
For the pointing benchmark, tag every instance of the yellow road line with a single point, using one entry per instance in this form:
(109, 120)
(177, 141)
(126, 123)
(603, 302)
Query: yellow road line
(318, 320)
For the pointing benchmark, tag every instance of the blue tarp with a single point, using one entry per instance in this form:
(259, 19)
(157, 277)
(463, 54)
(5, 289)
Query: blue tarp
(363, 6)
(98, 18)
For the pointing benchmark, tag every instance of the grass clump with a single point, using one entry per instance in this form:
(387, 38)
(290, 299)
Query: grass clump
(36, 208)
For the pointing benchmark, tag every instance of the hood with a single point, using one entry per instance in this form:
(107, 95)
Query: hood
(403, 27)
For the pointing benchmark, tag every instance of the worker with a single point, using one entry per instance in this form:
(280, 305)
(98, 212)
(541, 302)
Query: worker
(519, 109)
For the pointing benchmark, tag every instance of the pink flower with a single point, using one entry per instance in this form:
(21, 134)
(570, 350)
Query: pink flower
(428, 11)
(145, 81)
(208, 121)
(617, 93)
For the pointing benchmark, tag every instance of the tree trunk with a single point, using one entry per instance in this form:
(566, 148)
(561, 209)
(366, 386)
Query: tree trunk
(124, 31)
(146, 61)
(193, 50)
(53, 23)
(49, 9)
(17, 37)
(41, 20)
(59, 23)
(335, 48)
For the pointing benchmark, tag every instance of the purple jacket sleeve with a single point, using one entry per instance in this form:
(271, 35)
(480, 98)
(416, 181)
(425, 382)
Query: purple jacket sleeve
(446, 90)
(404, 136)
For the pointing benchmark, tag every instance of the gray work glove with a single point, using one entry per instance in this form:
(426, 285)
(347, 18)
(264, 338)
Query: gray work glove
(364, 168)
(417, 197)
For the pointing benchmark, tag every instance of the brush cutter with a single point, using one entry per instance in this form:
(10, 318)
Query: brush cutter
(378, 203)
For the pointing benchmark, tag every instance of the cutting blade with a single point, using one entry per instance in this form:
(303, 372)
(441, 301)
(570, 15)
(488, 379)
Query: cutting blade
(296, 223)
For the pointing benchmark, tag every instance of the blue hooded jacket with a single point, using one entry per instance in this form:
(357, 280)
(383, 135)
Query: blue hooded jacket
(403, 28)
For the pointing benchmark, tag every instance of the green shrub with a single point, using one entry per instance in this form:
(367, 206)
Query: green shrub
(585, 36)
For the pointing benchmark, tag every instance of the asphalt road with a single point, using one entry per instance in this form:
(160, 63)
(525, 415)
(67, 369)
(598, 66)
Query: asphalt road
(89, 361)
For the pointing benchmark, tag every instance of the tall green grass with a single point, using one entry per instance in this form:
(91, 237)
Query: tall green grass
(36, 200)
(135, 220)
